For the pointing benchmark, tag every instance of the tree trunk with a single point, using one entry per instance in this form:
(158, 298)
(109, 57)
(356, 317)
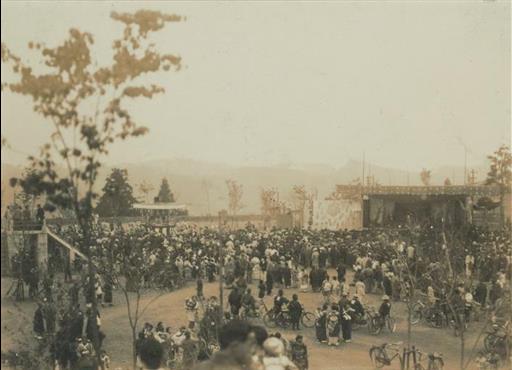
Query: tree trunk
(462, 349)
(409, 325)
(221, 283)
(134, 348)
(92, 277)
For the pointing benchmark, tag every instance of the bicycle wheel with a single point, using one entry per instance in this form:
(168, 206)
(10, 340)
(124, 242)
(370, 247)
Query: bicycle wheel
(434, 321)
(308, 320)
(283, 320)
(436, 364)
(269, 320)
(416, 313)
(391, 324)
(374, 326)
(378, 357)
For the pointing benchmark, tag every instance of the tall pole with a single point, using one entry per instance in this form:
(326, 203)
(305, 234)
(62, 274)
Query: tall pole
(362, 179)
(465, 165)
(221, 278)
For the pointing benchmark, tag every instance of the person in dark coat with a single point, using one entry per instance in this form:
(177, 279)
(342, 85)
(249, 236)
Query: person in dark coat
(199, 288)
(269, 283)
(40, 214)
(261, 289)
(108, 292)
(341, 270)
(295, 310)
(235, 301)
(300, 353)
(320, 324)
(38, 326)
(287, 276)
(77, 324)
(50, 316)
(495, 293)
(388, 287)
(481, 293)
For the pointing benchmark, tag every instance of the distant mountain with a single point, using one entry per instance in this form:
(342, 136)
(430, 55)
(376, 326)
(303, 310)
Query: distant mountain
(201, 185)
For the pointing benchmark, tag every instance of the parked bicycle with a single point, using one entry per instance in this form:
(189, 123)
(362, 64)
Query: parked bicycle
(497, 339)
(376, 323)
(434, 361)
(488, 360)
(385, 354)
(283, 318)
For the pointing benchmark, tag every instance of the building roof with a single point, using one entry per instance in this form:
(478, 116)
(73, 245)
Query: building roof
(160, 206)
(479, 190)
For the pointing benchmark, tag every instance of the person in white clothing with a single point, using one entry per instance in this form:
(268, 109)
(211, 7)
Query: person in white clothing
(274, 358)
(360, 290)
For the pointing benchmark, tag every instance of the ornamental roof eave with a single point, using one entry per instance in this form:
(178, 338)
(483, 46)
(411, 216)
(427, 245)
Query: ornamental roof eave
(479, 190)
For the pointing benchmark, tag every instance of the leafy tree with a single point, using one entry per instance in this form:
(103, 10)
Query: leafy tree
(425, 176)
(165, 194)
(500, 174)
(117, 198)
(82, 99)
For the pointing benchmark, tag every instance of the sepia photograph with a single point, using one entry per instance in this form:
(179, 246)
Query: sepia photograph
(256, 185)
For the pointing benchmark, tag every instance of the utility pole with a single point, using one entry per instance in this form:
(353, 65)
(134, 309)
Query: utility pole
(465, 159)
(363, 178)
(221, 279)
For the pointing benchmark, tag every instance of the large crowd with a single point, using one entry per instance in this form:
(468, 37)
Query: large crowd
(388, 262)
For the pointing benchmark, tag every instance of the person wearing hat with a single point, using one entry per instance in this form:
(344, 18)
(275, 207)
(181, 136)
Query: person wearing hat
(274, 358)
(385, 308)
(279, 301)
(357, 306)
(295, 310)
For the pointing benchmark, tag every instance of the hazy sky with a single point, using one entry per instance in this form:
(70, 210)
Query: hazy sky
(275, 82)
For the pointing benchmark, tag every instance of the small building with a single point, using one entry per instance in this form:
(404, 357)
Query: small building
(356, 206)
(161, 215)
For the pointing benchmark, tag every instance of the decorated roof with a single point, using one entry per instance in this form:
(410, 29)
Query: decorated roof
(478, 190)
(160, 206)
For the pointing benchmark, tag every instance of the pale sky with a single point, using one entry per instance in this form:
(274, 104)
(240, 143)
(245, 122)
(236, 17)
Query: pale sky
(266, 83)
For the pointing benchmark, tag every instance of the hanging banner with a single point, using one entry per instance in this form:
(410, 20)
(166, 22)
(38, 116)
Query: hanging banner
(337, 214)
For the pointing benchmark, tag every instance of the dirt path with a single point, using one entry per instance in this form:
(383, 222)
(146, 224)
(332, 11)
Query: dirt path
(169, 308)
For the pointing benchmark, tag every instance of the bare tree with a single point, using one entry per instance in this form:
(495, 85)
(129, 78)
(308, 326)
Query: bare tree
(235, 193)
(425, 176)
(302, 199)
(145, 188)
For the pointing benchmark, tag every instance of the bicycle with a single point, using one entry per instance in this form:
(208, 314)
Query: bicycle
(435, 360)
(376, 323)
(497, 337)
(420, 311)
(380, 357)
(488, 361)
(283, 318)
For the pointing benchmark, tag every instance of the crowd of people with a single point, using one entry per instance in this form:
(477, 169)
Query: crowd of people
(387, 262)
